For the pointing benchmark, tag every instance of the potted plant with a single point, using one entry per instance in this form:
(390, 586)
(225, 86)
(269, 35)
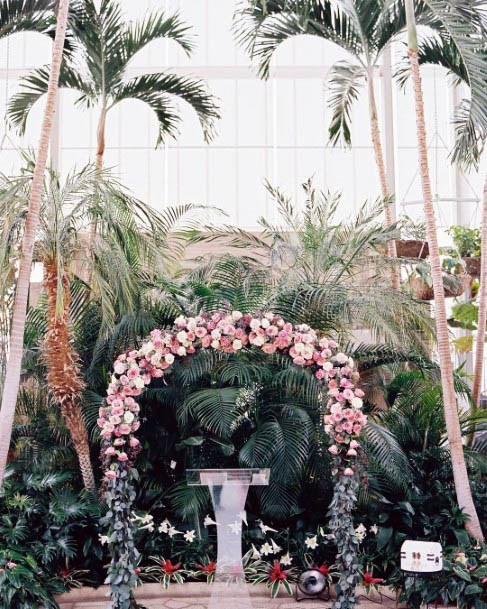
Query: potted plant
(454, 279)
(467, 242)
(413, 242)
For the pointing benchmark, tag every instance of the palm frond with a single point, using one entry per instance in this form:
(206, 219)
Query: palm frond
(344, 80)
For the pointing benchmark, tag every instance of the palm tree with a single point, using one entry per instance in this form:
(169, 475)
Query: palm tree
(471, 128)
(463, 36)
(104, 44)
(331, 274)
(12, 375)
(126, 254)
(363, 28)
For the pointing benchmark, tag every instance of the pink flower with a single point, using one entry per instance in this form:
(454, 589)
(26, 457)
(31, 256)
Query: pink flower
(110, 474)
(348, 471)
(351, 452)
(134, 442)
(110, 451)
(354, 444)
(299, 360)
(333, 449)
(123, 457)
(269, 348)
(320, 374)
(359, 393)
(124, 429)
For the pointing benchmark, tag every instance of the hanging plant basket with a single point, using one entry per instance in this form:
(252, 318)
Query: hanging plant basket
(473, 266)
(423, 291)
(412, 248)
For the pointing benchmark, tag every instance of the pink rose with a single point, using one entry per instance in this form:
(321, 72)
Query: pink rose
(333, 449)
(320, 374)
(124, 429)
(348, 471)
(110, 451)
(359, 393)
(354, 444)
(299, 360)
(123, 457)
(351, 452)
(110, 474)
(268, 348)
(134, 442)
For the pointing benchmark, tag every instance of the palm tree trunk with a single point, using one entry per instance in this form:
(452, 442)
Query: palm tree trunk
(460, 474)
(100, 138)
(479, 349)
(64, 377)
(379, 159)
(12, 375)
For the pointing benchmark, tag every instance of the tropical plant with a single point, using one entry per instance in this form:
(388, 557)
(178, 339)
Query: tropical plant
(104, 44)
(333, 274)
(465, 34)
(13, 368)
(362, 28)
(466, 240)
(128, 253)
(23, 583)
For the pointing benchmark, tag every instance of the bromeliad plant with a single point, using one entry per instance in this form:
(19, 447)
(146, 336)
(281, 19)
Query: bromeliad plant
(275, 576)
(165, 571)
(223, 333)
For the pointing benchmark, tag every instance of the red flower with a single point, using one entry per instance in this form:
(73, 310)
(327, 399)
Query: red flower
(324, 569)
(209, 568)
(64, 573)
(277, 574)
(169, 568)
(370, 580)
(136, 571)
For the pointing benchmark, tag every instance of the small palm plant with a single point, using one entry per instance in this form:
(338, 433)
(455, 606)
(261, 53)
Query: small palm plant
(128, 251)
(103, 46)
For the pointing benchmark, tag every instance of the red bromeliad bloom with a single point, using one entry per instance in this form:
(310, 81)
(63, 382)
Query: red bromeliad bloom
(324, 569)
(277, 573)
(370, 580)
(209, 568)
(169, 568)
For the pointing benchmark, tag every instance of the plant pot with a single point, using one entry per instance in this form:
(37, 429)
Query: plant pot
(412, 248)
(473, 266)
(423, 291)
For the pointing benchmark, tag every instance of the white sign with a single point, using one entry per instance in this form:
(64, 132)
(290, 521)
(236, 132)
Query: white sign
(421, 556)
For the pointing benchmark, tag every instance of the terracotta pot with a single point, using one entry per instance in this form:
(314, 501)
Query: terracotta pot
(422, 291)
(412, 248)
(473, 266)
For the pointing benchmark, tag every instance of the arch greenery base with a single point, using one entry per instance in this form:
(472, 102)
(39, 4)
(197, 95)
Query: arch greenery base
(229, 332)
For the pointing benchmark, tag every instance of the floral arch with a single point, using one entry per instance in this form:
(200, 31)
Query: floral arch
(229, 332)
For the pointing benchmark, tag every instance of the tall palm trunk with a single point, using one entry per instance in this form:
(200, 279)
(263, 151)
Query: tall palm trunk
(100, 138)
(63, 368)
(379, 159)
(12, 375)
(460, 474)
(479, 349)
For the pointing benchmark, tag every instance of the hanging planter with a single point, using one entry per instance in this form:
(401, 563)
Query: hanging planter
(413, 243)
(423, 291)
(412, 248)
(472, 265)
(455, 279)
(468, 245)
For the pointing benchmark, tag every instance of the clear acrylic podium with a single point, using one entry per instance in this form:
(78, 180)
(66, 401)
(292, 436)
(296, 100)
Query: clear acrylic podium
(228, 490)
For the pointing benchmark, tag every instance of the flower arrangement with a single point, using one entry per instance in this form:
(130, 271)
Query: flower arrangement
(228, 333)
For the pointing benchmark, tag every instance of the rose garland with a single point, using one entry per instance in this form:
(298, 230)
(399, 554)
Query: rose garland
(228, 333)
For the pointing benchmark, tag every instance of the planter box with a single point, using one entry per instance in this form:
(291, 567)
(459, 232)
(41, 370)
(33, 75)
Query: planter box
(193, 595)
(411, 248)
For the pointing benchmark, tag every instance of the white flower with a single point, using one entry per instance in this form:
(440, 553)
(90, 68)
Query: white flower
(164, 526)
(374, 529)
(311, 542)
(266, 549)
(237, 344)
(265, 529)
(139, 382)
(483, 558)
(173, 464)
(361, 532)
(104, 539)
(180, 321)
(357, 402)
(128, 417)
(172, 532)
(215, 344)
(208, 521)
(119, 367)
(255, 554)
(265, 323)
(181, 336)
(236, 315)
(275, 547)
(254, 324)
(286, 560)
(327, 366)
(259, 341)
(169, 358)
(190, 536)
(236, 527)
